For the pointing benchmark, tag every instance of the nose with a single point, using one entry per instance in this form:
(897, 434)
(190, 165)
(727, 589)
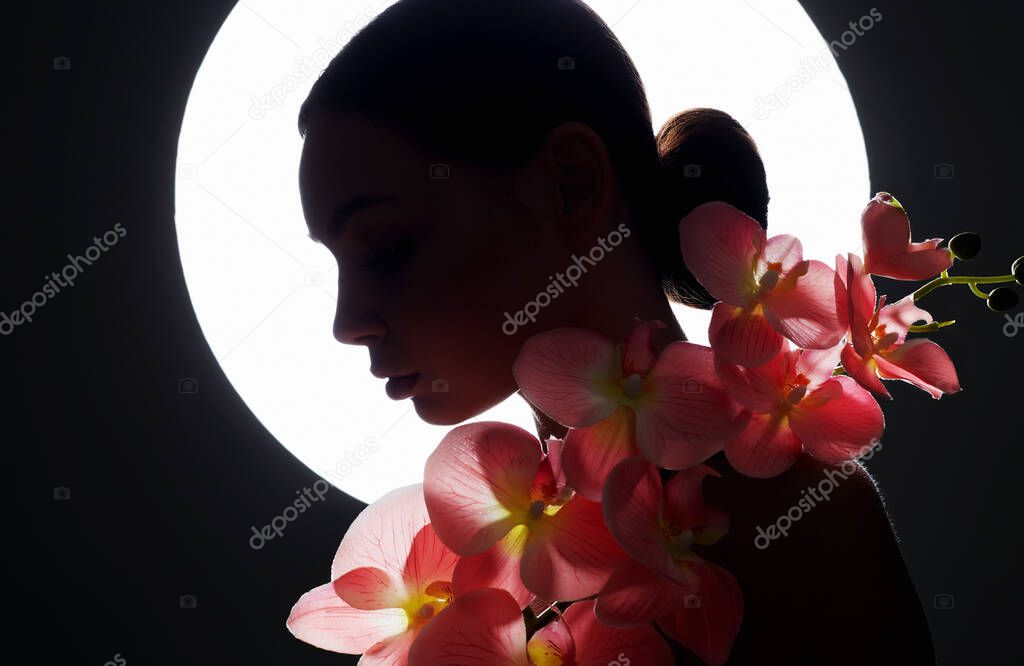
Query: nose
(355, 321)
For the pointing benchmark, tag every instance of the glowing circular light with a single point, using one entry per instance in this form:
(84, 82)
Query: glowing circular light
(264, 293)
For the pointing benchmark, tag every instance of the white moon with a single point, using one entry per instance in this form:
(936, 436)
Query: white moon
(264, 293)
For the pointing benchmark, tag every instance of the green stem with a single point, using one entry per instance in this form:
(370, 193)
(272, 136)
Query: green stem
(977, 292)
(959, 279)
(927, 328)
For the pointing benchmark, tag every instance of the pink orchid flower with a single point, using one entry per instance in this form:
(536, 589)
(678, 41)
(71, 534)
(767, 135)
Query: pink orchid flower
(888, 250)
(795, 404)
(622, 401)
(697, 603)
(391, 577)
(481, 628)
(578, 639)
(766, 288)
(491, 491)
(878, 347)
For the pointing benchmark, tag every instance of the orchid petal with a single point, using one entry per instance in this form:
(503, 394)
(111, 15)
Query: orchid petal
(838, 421)
(497, 567)
(391, 652)
(817, 365)
(743, 337)
(719, 244)
(684, 507)
(922, 261)
(552, 645)
(482, 628)
(686, 416)
(369, 588)
(568, 374)
(922, 363)
(804, 309)
(477, 483)
(382, 534)
(322, 619)
(429, 561)
(599, 645)
(556, 460)
(638, 356)
(571, 554)
(710, 627)
(855, 304)
(592, 452)
(635, 595)
(863, 372)
(785, 250)
(767, 447)
(888, 250)
(632, 504)
(898, 317)
(757, 388)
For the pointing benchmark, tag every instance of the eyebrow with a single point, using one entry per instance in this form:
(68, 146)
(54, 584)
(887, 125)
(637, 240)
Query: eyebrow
(344, 212)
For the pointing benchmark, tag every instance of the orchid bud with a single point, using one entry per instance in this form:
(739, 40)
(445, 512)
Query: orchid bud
(1002, 299)
(1018, 270)
(965, 246)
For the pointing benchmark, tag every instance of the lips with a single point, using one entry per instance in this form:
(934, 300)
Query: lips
(399, 388)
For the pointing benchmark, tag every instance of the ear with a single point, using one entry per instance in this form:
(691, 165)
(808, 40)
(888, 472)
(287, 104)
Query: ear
(579, 164)
(571, 182)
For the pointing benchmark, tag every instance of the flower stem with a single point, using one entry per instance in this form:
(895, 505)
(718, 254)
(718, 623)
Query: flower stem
(977, 292)
(927, 328)
(959, 279)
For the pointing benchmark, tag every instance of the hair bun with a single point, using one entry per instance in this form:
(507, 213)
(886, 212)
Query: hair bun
(704, 155)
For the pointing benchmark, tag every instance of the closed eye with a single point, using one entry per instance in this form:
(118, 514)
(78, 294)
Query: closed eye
(392, 258)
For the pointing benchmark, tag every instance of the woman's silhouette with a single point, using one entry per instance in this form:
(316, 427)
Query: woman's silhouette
(459, 154)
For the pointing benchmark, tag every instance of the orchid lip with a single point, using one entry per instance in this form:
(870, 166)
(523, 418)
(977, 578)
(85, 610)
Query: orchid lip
(633, 386)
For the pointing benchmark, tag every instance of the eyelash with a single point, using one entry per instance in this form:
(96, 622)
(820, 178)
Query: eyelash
(391, 258)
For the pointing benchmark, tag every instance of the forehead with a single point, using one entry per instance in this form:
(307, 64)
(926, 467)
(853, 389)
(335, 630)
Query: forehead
(345, 155)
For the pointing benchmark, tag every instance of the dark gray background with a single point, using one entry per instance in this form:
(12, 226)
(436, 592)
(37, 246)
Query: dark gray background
(165, 486)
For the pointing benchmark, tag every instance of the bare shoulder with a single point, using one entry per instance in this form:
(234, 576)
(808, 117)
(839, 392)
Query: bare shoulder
(820, 565)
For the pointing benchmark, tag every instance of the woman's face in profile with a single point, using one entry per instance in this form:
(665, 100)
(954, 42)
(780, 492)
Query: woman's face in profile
(428, 266)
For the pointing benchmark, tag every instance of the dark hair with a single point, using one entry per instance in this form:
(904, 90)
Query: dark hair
(485, 81)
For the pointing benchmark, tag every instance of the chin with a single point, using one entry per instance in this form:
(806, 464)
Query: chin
(437, 410)
(442, 409)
